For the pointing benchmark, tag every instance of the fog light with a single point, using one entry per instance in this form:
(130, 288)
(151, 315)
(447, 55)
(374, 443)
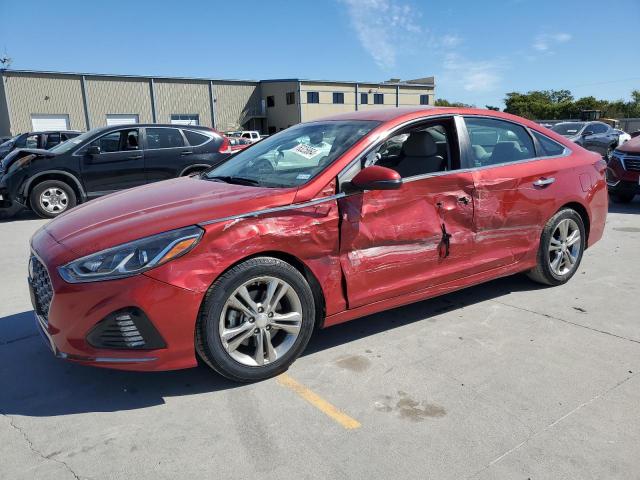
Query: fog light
(126, 329)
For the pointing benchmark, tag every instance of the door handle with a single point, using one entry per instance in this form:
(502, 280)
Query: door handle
(186, 152)
(134, 157)
(544, 182)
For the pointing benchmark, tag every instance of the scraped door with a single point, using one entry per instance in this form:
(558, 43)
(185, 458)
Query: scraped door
(395, 242)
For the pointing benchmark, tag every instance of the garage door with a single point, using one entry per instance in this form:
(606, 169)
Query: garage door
(121, 119)
(40, 123)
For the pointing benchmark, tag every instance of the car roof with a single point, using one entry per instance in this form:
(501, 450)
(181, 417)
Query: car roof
(410, 113)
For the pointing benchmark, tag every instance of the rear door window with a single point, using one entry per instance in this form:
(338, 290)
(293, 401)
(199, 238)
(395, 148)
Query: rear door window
(164, 138)
(496, 141)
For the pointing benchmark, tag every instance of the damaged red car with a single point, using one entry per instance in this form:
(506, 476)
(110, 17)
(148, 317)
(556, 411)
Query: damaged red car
(321, 223)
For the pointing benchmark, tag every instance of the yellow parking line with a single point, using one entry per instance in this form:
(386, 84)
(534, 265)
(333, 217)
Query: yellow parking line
(320, 403)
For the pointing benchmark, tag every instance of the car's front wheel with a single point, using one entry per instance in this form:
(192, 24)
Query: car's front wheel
(562, 244)
(256, 319)
(51, 198)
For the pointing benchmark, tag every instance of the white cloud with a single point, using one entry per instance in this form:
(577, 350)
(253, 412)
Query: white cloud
(450, 40)
(381, 25)
(473, 76)
(545, 41)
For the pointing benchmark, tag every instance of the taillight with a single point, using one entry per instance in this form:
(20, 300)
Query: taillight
(225, 147)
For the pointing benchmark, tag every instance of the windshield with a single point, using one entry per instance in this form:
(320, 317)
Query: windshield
(568, 128)
(67, 145)
(292, 157)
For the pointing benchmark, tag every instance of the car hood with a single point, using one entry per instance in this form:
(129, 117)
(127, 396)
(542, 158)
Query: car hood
(136, 213)
(13, 155)
(630, 146)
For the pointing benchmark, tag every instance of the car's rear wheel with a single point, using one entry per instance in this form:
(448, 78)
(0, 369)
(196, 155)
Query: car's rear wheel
(561, 247)
(622, 197)
(256, 319)
(51, 198)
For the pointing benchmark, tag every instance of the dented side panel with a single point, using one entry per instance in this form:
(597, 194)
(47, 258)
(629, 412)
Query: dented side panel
(393, 242)
(310, 234)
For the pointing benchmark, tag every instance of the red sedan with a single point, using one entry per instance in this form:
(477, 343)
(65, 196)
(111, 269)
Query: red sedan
(237, 266)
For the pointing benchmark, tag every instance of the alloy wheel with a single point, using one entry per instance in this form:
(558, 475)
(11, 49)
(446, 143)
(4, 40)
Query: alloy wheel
(54, 200)
(564, 247)
(260, 321)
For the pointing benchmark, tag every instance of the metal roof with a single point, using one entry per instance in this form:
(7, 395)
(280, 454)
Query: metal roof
(409, 83)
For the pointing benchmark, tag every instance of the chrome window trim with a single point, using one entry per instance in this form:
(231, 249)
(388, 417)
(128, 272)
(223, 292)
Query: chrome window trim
(256, 213)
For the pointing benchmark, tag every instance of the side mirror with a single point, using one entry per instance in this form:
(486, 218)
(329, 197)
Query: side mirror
(377, 178)
(587, 133)
(93, 150)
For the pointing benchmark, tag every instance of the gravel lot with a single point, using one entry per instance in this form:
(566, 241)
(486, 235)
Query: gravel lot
(503, 380)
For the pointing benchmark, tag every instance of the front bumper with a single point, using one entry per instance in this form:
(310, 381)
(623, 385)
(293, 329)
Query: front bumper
(623, 174)
(75, 309)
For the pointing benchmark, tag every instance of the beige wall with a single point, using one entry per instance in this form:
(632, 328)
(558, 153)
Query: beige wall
(43, 94)
(118, 95)
(182, 97)
(281, 115)
(235, 104)
(5, 121)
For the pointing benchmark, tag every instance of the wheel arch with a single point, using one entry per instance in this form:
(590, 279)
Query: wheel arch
(584, 215)
(301, 266)
(59, 175)
(195, 167)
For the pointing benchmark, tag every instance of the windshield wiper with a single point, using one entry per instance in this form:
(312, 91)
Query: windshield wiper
(235, 180)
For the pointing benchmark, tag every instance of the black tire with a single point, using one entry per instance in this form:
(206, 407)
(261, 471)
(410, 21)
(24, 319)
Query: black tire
(37, 192)
(208, 343)
(543, 273)
(622, 197)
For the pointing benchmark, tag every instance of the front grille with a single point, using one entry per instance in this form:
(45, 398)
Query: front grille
(41, 286)
(632, 164)
(125, 329)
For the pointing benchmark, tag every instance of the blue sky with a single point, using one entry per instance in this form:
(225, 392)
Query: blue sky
(478, 50)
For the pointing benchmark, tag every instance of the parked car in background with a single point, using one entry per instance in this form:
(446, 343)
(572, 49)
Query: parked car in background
(623, 171)
(238, 266)
(238, 143)
(41, 140)
(595, 136)
(233, 134)
(4, 138)
(105, 160)
(622, 136)
(251, 135)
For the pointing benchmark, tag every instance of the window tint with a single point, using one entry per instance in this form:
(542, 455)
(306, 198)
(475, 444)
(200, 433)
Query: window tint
(117, 141)
(67, 136)
(549, 147)
(378, 98)
(164, 138)
(271, 101)
(195, 138)
(313, 97)
(53, 139)
(364, 98)
(31, 141)
(597, 128)
(338, 97)
(291, 98)
(496, 141)
(424, 99)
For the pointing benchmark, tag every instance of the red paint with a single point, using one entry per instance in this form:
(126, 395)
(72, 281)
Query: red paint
(368, 251)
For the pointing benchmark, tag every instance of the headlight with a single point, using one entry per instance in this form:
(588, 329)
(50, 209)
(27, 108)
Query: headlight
(132, 258)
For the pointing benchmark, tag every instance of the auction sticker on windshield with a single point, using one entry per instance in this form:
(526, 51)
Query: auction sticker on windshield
(306, 151)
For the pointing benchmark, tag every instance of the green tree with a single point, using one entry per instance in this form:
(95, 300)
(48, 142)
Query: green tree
(441, 102)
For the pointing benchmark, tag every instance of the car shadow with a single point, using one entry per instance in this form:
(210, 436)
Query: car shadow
(36, 384)
(17, 215)
(633, 207)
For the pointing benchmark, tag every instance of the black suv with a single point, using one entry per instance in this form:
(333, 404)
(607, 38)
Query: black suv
(105, 160)
(44, 140)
